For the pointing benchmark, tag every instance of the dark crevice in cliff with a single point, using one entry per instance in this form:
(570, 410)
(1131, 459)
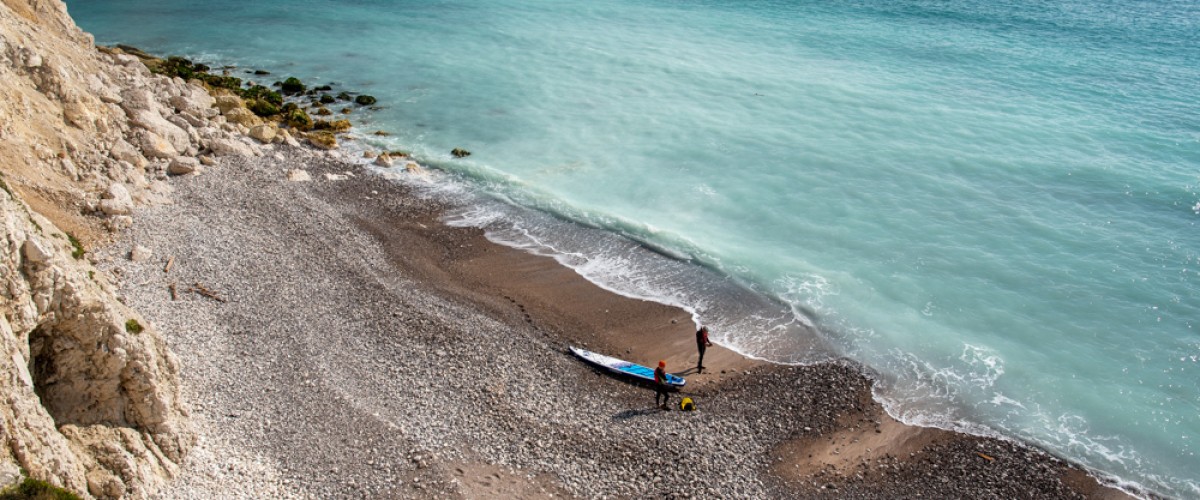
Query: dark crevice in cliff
(42, 366)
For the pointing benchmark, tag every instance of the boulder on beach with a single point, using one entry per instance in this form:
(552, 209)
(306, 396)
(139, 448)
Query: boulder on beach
(262, 107)
(183, 165)
(298, 119)
(116, 200)
(364, 100)
(122, 150)
(292, 86)
(264, 133)
(230, 147)
(154, 122)
(140, 253)
(228, 102)
(154, 146)
(242, 116)
(298, 175)
(337, 126)
(323, 139)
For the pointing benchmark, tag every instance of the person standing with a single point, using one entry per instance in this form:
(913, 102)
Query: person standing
(660, 384)
(702, 344)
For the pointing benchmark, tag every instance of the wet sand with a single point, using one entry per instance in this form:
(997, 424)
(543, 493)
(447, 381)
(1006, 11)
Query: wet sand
(519, 286)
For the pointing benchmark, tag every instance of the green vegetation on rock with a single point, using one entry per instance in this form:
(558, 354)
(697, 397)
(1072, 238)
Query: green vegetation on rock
(261, 107)
(36, 489)
(292, 86)
(184, 68)
(262, 101)
(259, 99)
(323, 139)
(78, 247)
(298, 119)
(261, 92)
(132, 326)
(336, 125)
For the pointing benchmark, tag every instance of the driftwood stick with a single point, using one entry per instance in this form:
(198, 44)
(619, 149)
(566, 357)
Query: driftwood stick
(170, 262)
(174, 292)
(200, 289)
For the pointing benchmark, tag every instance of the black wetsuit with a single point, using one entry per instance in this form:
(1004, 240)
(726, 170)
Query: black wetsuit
(702, 344)
(660, 386)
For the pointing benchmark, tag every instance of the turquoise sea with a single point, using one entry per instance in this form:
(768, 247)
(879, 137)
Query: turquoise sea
(993, 205)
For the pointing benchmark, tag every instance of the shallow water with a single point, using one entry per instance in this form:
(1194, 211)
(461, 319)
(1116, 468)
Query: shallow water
(994, 206)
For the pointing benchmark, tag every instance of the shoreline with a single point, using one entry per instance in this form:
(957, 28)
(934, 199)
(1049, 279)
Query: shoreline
(404, 290)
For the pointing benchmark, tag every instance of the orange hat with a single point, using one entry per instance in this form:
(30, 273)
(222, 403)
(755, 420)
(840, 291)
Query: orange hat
(662, 363)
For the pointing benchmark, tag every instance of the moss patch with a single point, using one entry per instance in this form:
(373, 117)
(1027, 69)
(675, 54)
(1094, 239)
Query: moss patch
(292, 86)
(34, 489)
(298, 119)
(132, 326)
(78, 247)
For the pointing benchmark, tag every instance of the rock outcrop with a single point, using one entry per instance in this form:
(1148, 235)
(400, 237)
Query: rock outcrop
(90, 390)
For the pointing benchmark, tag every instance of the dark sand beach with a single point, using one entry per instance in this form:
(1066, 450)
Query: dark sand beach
(361, 348)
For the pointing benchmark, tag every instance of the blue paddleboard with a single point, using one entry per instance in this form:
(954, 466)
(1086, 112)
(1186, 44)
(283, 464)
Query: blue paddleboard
(622, 367)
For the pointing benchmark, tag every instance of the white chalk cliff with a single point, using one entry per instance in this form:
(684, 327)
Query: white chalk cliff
(90, 389)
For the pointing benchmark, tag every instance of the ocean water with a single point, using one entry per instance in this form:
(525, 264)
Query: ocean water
(993, 205)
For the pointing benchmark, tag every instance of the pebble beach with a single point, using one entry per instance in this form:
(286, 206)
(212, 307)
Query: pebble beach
(337, 340)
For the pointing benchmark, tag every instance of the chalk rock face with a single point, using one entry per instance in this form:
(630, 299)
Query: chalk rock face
(85, 402)
(90, 406)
